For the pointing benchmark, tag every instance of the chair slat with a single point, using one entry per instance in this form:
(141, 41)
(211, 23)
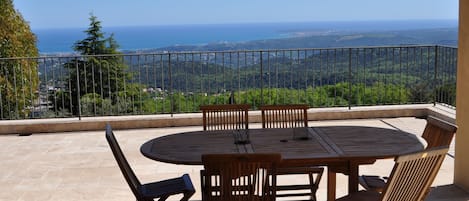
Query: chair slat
(225, 117)
(239, 176)
(413, 174)
(284, 116)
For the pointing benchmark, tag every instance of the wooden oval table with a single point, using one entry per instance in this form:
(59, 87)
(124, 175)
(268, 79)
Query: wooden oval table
(341, 148)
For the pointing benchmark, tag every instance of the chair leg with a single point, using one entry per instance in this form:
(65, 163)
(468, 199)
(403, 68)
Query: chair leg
(202, 183)
(163, 198)
(313, 187)
(187, 195)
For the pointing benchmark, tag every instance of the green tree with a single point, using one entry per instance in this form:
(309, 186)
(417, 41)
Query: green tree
(102, 73)
(18, 77)
(95, 43)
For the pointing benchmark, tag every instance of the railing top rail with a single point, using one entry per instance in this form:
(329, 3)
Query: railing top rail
(72, 55)
(448, 46)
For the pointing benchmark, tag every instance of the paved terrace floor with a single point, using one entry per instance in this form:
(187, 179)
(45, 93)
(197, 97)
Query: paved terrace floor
(80, 165)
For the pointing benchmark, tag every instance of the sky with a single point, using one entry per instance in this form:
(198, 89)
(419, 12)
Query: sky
(75, 13)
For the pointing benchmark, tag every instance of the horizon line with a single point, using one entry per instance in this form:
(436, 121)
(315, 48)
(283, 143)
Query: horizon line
(245, 23)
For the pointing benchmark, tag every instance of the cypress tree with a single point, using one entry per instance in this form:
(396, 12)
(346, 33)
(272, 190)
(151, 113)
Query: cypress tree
(99, 77)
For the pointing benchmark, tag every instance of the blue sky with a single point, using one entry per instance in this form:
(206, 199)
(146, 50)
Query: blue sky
(75, 13)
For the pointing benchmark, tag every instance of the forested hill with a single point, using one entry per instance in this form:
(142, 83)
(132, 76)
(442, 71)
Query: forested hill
(440, 36)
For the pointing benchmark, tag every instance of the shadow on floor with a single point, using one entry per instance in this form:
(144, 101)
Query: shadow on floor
(448, 192)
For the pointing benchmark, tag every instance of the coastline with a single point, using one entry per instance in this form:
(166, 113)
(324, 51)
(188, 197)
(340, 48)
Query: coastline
(146, 38)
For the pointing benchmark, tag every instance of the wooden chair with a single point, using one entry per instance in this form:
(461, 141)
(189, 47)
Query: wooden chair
(150, 191)
(410, 178)
(437, 133)
(225, 117)
(284, 116)
(249, 177)
(292, 116)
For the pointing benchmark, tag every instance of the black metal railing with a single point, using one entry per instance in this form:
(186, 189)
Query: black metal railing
(178, 82)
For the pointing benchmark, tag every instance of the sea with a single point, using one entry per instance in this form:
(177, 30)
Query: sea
(133, 38)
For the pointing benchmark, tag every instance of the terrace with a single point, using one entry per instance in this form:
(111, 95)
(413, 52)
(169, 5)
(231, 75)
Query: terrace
(75, 163)
(80, 166)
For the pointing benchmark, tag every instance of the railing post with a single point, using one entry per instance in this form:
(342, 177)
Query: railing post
(232, 97)
(15, 89)
(78, 89)
(170, 85)
(262, 79)
(435, 76)
(350, 79)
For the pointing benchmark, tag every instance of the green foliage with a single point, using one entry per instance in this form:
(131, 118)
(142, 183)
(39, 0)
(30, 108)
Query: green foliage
(422, 92)
(60, 101)
(18, 77)
(325, 96)
(447, 93)
(93, 104)
(16, 38)
(329, 95)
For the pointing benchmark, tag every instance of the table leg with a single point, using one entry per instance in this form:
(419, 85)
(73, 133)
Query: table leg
(331, 185)
(353, 177)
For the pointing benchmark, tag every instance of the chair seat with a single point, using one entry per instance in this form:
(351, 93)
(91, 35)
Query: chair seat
(362, 196)
(168, 187)
(372, 182)
(299, 170)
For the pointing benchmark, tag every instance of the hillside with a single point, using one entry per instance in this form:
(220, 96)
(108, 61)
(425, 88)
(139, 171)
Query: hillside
(441, 36)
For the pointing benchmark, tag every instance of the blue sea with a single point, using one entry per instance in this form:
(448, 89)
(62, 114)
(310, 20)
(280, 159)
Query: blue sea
(154, 37)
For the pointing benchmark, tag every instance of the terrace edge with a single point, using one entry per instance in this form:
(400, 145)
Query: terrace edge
(36, 126)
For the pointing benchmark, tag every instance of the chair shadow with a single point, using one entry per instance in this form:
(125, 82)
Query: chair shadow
(447, 192)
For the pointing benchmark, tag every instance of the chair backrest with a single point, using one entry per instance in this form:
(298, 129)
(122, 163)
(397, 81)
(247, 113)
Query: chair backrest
(240, 176)
(284, 116)
(124, 166)
(413, 175)
(225, 117)
(438, 132)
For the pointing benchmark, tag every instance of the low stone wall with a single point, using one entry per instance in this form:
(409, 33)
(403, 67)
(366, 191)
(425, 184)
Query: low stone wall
(26, 127)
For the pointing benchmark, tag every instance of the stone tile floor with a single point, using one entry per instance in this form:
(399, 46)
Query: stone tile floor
(80, 165)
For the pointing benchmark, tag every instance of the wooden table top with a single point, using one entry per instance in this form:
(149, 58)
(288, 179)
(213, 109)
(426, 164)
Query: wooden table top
(327, 143)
